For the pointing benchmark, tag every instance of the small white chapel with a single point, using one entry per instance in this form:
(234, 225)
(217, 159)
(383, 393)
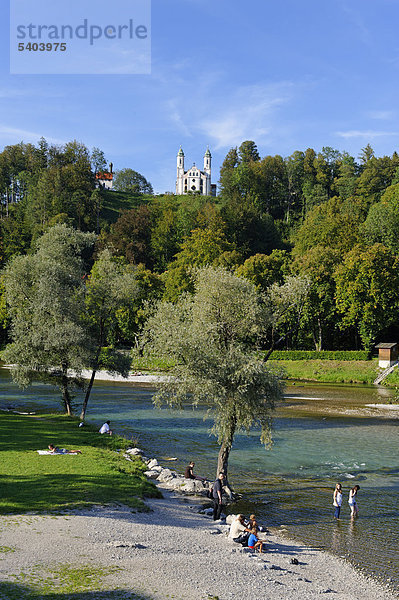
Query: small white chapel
(194, 180)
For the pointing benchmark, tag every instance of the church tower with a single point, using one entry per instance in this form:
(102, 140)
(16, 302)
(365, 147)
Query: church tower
(194, 181)
(180, 172)
(207, 171)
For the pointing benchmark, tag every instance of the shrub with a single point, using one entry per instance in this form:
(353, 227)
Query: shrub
(322, 355)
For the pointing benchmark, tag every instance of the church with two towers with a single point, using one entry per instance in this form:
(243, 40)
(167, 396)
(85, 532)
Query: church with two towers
(194, 180)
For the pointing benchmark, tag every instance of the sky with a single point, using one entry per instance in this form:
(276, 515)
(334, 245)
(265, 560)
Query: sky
(288, 75)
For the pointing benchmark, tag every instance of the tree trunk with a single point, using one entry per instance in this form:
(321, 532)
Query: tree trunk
(84, 405)
(224, 452)
(66, 398)
(320, 335)
(223, 460)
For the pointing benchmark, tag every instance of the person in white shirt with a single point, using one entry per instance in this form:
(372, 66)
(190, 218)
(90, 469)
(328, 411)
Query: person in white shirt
(237, 528)
(337, 500)
(105, 428)
(352, 501)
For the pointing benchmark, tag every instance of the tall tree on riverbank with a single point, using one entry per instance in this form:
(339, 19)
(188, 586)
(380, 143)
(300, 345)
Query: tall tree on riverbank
(111, 288)
(212, 334)
(45, 295)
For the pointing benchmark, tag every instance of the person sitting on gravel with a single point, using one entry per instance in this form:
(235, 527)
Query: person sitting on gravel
(189, 473)
(55, 450)
(238, 532)
(251, 523)
(254, 542)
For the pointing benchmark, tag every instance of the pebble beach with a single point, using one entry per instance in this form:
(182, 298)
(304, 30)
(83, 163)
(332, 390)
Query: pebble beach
(171, 551)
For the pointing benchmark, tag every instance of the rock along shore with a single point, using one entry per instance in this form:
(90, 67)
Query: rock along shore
(172, 551)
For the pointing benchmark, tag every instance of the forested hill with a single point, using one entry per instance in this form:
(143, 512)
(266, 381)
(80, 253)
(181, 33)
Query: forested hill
(326, 216)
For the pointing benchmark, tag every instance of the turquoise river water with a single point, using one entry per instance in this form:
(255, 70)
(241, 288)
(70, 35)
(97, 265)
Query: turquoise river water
(322, 434)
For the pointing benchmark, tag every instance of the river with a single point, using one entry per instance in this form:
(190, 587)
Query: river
(321, 433)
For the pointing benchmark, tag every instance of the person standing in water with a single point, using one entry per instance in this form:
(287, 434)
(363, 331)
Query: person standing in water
(337, 500)
(352, 501)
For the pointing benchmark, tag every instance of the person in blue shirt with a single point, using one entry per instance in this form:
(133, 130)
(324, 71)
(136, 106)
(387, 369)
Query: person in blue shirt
(254, 542)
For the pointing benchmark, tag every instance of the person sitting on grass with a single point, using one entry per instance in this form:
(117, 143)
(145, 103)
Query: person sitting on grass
(106, 428)
(254, 542)
(55, 450)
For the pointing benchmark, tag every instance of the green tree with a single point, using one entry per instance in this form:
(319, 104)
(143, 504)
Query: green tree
(334, 224)
(127, 180)
(248, 152)
(227, 184)
(251, 231)
(213, 334)
(110, 287)
(320, 314)
(367, 284)
(346, 181)
(202, 248)
(45, 296)
(263, 270)
(131, 236)
(382, 223)
(98, 160)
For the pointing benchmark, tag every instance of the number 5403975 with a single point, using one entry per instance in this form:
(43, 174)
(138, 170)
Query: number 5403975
(42, 47)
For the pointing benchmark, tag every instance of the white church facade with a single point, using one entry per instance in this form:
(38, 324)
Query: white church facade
(194, 180)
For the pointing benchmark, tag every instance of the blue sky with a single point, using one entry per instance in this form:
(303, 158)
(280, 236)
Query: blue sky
(288, 75)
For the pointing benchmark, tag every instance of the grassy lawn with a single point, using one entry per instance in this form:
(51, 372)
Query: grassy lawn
(152, 364)
(115, 202)
(331, 371)
(32, 482)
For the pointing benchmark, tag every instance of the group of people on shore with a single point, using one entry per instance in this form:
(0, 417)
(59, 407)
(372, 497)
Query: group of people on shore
(242, 531)
(352, 500)
(245, 532)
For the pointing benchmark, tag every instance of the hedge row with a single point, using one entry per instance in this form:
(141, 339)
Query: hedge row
(322, 355)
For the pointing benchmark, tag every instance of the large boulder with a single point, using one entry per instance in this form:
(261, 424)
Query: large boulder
(166, 475)
(152, 463)
(151, 474)
(187, 485)
(135, 451)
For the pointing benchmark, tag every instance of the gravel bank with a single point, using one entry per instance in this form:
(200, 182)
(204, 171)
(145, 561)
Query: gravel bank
(170, 552)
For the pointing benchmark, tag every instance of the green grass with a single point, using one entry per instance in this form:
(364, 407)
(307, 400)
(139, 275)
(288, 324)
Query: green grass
(331, 371)
(152, 363)
(392, 379)
(115, 202)
(42, 483)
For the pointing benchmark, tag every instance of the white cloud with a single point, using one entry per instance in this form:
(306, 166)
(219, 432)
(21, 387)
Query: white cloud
(15, 135)
(368, 134)
(248, 112)
(381, 115)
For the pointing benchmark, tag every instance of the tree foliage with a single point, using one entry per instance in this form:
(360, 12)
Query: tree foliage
(45, 296)
(128, 180)
(212, 334)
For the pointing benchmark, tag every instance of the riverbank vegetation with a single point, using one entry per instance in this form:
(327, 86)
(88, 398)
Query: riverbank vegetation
(331, 371)
(44, 483)
(324, 222)
(212, 334)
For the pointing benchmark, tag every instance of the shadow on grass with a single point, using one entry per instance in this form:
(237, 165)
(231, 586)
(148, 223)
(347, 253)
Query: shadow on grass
(58, 492)
(34, 432)
(13, 591)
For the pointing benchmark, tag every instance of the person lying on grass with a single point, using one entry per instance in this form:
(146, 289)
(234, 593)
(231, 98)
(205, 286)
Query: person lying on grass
(55, 450)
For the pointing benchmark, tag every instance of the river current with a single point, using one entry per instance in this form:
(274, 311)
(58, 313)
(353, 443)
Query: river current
(322, 434)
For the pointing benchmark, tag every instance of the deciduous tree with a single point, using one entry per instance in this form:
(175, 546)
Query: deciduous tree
(213, 334)
(45, 296)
